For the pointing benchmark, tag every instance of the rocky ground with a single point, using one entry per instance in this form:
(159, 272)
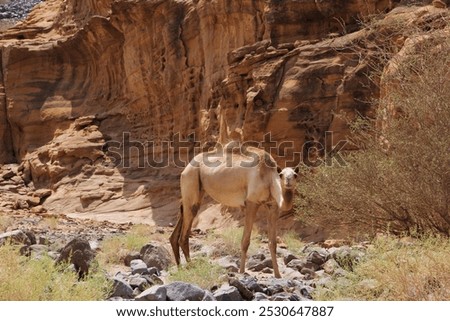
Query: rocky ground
(144, 275)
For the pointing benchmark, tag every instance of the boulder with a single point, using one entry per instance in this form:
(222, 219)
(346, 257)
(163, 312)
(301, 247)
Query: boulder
(138, 267)
(227, 293)
(15, 237)
(121, 288)
(242, 288)
(130, 257)
(155, 293)
(181, 291)
(156, 255)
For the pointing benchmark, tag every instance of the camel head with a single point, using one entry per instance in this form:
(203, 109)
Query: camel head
(288, 177)
(288, 180)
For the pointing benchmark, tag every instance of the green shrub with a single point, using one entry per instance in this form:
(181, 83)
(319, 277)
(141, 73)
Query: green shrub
(399, 179)
(24, 279)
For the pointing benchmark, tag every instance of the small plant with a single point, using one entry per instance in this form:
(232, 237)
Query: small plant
(199, 271)
(24, 279)
(293, 242)
(115, 248)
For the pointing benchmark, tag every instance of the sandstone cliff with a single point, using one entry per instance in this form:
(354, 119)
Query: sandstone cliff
(92, 91)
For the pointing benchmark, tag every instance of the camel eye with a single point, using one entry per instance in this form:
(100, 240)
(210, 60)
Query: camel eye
(281, 175)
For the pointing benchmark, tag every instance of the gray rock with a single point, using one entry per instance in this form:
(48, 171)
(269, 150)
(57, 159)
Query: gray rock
(136, 292)
(318, 257)
(153, 271)
(138, 267)
(267, 270)
(15, 237)
(228, 263)
(273, 286)
(152, 279)
(156, 256)
(330, 266)
(306, 292)
(284, 296)
(180, 291)
(288, 258)
(130, 257)
(292, 274)
(139, 282)
(260, 297)
(243, 290)
(251, 283)
(300, 264)
(309, 273)
(348, 257)
(259, 262)
(155, 293)
(209, 297)
(296, 263)
(121, 288)
(227, 293)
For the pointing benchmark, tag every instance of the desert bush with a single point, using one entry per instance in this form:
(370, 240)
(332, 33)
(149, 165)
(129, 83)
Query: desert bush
(115, 248)
(399, 179)
(25, 279)
(395, 270)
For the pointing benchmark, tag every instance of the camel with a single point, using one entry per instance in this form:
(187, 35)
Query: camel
(245, 178)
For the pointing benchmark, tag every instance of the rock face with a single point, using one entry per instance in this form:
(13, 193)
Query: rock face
(94, 94)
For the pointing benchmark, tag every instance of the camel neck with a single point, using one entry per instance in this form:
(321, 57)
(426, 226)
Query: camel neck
(288, 196)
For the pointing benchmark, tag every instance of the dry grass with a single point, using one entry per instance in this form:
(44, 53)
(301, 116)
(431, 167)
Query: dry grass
(292, 241)
(114, 249)
(199, 271)
(24, 279)
(227, 241)
(50, 222)
(392, 270)
(5, 222)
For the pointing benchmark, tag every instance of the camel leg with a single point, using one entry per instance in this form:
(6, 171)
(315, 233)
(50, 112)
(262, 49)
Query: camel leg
(188, 218)
(191, 194)
(250, 212)
(272, 233)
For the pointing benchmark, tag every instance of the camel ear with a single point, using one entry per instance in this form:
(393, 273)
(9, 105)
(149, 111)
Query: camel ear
(297, 169)
(279, 169)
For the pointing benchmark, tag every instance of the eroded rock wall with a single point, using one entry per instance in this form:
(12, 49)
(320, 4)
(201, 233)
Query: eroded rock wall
(84, 79)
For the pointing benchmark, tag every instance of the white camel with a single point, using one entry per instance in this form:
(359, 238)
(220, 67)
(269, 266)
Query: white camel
(245, 178)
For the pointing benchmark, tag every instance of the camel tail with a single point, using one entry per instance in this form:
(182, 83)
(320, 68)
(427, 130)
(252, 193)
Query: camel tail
(175, 237)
